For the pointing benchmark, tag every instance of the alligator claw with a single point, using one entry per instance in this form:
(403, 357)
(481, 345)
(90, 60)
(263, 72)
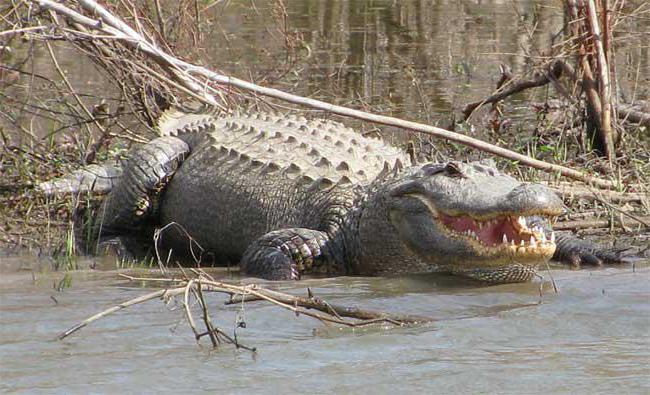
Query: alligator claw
(577, 253)
(271, 264)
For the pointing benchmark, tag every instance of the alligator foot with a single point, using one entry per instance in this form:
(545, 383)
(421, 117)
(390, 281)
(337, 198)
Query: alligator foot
(576, 252)
(285, 254)
(115, 246)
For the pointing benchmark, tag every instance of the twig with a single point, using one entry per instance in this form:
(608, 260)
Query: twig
(553, 69)
(70, 88)
(23, 30)
(128, 303)
(158, 234)
(212, 332)
(632, 115)
(583, 192)
(599, 223)
(159, 17)
(188, 310)
(312, 303)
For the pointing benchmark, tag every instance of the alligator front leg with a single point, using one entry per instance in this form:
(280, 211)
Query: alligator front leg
(576, 252)
(285, 254)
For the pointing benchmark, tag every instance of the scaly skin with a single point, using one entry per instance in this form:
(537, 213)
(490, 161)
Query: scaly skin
(285, 196)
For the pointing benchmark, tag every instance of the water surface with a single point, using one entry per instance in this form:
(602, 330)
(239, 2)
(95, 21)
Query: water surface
(591, 337)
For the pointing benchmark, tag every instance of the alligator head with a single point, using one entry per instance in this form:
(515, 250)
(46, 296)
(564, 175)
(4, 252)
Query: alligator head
(470, 219)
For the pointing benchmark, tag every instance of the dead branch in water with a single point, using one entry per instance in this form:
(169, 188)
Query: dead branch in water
(311, 306)
(552, 72)
(207, 84)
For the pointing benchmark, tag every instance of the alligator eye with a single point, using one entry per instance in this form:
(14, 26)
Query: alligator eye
(432, 168)
(452, 169)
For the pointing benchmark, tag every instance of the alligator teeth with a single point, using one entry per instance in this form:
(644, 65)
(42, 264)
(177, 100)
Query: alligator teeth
(512, 242)
(543, 237)
(552, 237)
(522, 243)
(533, 242)
(505, 239)
(522, 221)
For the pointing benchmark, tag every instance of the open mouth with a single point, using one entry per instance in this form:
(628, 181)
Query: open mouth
(506, 233)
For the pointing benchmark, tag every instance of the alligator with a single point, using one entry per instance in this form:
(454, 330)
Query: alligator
(286, 196)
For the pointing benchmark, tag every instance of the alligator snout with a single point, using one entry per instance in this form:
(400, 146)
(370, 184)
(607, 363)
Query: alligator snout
(532, 198)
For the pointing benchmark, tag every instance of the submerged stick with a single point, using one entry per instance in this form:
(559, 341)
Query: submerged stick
(325, 312)
(116, 28)
(121, 306)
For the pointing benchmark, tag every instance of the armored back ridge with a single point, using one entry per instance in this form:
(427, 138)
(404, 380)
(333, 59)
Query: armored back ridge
(317, 149)
(283, 196)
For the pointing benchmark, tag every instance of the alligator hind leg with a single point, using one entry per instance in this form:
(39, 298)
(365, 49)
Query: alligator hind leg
(577, 252)
(134, 200)
(287, 253)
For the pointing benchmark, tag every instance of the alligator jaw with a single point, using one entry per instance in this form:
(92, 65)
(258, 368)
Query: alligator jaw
(505, 235)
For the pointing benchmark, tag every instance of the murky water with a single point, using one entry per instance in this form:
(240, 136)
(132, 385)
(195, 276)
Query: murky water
(417, 59)
(591, 337)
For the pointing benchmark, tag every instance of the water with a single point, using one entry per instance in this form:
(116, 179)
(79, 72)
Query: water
(416, 59)
(590, 337)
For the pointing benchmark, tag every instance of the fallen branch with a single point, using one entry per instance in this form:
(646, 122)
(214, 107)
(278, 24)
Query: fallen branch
(603, 223)
(207, 83)
(633, 115)
(311, 306)
(570, 190)
(553, 70)
(627, 112)
(114, 309)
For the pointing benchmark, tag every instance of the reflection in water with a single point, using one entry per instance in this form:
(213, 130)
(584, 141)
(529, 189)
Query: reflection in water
(417, 59)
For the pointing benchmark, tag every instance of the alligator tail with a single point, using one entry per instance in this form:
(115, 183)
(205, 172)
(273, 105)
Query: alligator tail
(134, 200)
(93, 179)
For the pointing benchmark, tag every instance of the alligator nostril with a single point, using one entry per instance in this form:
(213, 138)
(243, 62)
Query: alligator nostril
(533, 196)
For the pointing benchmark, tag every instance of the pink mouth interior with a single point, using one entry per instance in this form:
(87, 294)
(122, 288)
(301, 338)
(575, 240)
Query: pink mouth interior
(490, 234)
